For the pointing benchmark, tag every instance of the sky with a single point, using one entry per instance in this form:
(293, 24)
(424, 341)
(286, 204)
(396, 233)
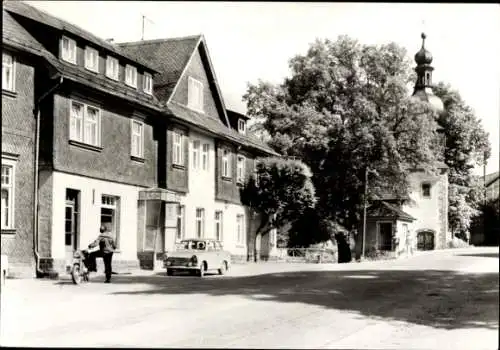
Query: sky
(248, 41)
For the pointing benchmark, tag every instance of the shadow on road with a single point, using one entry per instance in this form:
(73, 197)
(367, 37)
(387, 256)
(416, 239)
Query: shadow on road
(436, 298)
(482, 255)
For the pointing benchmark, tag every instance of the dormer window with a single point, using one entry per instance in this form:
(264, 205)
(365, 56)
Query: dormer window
(195, 94)
(112, 68)
(148, 83)
(242, 126)
(68, 49)
(91, 59)
(131, 76)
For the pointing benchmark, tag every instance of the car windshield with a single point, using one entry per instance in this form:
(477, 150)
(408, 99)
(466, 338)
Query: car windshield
(192, 245)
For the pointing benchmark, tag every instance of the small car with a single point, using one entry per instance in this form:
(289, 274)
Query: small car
(198, 255)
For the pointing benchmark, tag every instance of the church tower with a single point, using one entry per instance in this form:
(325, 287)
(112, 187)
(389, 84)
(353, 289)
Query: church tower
(423, 88)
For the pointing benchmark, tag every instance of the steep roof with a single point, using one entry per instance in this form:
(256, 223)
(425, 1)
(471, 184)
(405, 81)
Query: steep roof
(384, 209)
(491, 178)
(22, 9)
(196, 119)
(15, 34)
(99, 82)
(169, 57)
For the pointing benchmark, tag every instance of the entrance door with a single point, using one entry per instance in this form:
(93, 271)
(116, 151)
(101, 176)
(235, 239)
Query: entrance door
(70, 232)
(71, 224)
(385, 235)
(425, 240)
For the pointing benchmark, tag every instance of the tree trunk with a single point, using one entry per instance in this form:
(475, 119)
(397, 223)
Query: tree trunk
(255, 257)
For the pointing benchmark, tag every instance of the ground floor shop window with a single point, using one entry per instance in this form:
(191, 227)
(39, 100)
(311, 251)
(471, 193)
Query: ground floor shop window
(218, 225)
(110, 214)
(180, 222)
(200, 222)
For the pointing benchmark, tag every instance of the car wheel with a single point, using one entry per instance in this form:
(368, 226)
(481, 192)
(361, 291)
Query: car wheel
(224, 267)
(201, 271)
(170, 272)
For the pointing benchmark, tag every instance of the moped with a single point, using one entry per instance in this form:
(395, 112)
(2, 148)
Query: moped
(84, 262)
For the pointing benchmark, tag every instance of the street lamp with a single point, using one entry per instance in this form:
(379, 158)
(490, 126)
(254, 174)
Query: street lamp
(367, 170)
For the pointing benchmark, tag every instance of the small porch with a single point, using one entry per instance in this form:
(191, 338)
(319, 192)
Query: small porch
(388, 232)
(157, 226)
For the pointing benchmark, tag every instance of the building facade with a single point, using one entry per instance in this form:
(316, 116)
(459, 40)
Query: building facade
(143, 145)
(19, 61)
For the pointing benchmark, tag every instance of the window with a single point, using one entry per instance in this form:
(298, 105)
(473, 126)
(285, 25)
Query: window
(195, 94)
(8, 72)
(8, 176)
(196, 154)
(204, 156)
(85, 123)
(180, 222)
(112, 68)
(226, 163)
(147, 83)
(131, 76)
(240, 229)
(218, 225)
(240, 170)
(91, 59)
(178, 149)
(200, 222)
(255, 173)
(110, 216)
(241, 126)
(68, 50)
(426, 190)
(137, 139)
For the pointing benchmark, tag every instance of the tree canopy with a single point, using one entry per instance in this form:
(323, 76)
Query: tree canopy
(347, 107)
(280, 191)
(467, 146)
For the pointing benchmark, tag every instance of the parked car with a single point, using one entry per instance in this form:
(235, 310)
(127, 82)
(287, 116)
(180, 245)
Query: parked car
(198, 255)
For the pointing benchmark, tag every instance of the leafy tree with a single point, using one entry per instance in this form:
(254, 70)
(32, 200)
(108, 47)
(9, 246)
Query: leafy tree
(280, 192)
(346, 107)
(467, 146)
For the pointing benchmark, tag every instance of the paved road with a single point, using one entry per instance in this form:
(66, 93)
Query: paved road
(437, 300)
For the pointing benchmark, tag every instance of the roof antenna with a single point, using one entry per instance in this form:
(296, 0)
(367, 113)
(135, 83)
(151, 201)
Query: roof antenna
(145, 18)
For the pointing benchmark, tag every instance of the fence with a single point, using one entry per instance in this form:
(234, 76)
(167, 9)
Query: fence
(307, 255)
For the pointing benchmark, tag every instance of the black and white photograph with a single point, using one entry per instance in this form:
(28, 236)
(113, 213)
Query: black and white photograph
(259, 175)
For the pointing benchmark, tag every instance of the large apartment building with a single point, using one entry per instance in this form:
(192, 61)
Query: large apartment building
(135, 137)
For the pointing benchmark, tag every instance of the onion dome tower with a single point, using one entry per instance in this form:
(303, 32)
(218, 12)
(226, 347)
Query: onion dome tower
(423, 85)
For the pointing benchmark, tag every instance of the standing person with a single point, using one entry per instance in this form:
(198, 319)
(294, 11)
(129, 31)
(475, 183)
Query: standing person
(107, 247)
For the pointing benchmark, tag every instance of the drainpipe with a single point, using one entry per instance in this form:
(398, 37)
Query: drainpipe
(36, 113)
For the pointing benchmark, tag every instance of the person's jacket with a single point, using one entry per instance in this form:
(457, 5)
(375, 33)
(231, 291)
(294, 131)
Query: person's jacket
(106, 243)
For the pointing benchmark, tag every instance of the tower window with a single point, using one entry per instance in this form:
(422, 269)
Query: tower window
(426, 190)
(428, 78)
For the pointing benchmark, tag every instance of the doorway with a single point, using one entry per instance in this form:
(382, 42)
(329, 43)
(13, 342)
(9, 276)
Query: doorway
(385, 235)
(71, 221)
(425, 240)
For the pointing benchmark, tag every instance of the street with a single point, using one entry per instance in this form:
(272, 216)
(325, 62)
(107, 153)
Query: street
(441, 300)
